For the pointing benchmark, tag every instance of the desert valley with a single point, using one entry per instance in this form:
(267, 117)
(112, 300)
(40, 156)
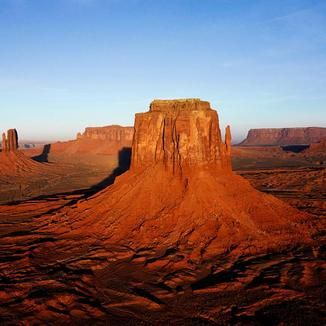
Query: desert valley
(164, 223)
(162, 163)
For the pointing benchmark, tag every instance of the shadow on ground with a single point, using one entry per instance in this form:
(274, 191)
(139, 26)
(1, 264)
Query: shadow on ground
(44, 156)
(124, 159)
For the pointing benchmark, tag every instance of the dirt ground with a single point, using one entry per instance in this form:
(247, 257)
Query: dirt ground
(55, 280)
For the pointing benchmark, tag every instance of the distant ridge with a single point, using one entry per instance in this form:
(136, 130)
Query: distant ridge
(108, 140)
(284, 136)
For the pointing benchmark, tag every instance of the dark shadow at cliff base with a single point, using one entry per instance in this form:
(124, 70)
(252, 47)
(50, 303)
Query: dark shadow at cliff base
(44, 156)
(124, 159)
(294, 148)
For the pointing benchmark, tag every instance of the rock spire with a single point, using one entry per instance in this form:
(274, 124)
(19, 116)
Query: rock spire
(10, 143)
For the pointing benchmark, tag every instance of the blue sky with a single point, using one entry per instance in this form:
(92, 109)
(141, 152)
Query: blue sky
(68, 64)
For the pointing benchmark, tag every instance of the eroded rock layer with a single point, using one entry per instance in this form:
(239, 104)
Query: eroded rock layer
(12, 161)
(10, 143)
(203, 211)
(284, 136)
(182, 133)
(186, 243)
(97, 140)
(112, 133)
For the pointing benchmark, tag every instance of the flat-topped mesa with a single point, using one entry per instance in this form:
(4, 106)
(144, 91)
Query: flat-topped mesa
(10, 143)
(108, 133)
(179, 134)
(179, 105)
(284, 136)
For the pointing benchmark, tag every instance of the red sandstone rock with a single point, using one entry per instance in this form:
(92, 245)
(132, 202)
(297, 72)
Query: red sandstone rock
(97, 140)
(228, 147)
(317, 148)
(10, 143)
(201, 212)
(284, 136)
(13, 139)
(109, 133)
(178, 134)
(12, 161)
(4, 143)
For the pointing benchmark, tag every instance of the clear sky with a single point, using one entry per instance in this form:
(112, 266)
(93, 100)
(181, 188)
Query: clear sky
(68, 64)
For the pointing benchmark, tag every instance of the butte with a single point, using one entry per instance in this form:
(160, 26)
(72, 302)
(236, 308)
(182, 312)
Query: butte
(180, 195)
(12, 161)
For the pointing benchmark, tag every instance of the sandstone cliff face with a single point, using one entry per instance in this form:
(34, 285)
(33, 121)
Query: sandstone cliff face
(181, 194)
(284, 136)
(12, 161)
(108, 140)
(179, 134)
(110, 133)
(161, 245)
(10, 143)
(316, 148)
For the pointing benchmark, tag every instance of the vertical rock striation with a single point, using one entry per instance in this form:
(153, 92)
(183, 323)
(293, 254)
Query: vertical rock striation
(4, 143)
(180, 193)
(10, 143)
(107, 140)
(284, 136)
(179, 134)
(228, 139)
(108, 133)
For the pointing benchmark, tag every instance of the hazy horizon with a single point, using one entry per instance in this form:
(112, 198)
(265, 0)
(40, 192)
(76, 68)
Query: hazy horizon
(235, 138)
(69, 64)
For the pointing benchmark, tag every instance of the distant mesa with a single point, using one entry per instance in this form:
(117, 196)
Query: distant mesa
(97, 140)
(317, 148)
(284, 136)
(317, 153)
(112, 133)
(181, 194)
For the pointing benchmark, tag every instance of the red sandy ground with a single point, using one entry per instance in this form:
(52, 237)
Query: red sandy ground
(48, 277)
(152, 250)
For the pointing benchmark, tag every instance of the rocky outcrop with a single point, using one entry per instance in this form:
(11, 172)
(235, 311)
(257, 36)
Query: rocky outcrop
(108, 133)
(108, 140)
(316, 148)
(13, 162)
(4, 143)
(316, 153)
(197, 247)
(228, 147)
(178, 134)
(284, 136)
(10, 143)
(181, 195)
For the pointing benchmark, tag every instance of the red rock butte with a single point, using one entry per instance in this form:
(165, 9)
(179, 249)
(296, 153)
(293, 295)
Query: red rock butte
(180, 133)
(179, 239)
(110, 133)
(107, 140)
(181, 193)
(12, 161)
(10, 143)
(284, 136)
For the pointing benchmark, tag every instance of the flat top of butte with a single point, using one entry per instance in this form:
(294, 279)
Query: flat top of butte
(179, 104)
